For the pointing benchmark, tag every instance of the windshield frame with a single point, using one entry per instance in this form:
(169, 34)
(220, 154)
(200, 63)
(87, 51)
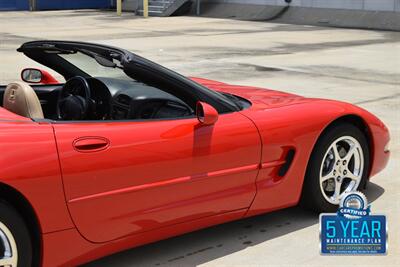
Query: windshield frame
(134, 66)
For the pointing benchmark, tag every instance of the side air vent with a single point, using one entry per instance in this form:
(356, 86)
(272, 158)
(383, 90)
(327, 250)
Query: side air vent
(124, 100)
(288, 161)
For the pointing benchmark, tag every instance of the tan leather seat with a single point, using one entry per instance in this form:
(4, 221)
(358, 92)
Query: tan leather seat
(21, 99)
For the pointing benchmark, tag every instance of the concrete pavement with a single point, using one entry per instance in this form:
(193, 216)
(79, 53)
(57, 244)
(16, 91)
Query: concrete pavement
(361, 67)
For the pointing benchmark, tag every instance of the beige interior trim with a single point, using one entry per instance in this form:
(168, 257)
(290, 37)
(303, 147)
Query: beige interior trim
(20, 98)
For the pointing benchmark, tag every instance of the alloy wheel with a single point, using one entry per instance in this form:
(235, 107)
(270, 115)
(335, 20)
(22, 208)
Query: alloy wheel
(8, 248)
(341, 168)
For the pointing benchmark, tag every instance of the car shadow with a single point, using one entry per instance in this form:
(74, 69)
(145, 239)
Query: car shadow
(373, 192)
(215, 242)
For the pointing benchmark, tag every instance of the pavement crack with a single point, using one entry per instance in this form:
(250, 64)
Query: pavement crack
(378, 99)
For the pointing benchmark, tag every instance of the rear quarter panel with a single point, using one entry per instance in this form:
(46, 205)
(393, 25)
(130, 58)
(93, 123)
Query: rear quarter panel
(29, 164)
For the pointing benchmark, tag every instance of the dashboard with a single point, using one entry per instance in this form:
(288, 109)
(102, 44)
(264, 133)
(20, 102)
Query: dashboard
(115, 99)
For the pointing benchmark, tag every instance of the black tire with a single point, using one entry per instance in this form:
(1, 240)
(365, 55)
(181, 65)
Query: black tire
(14, 222)
(312, 197)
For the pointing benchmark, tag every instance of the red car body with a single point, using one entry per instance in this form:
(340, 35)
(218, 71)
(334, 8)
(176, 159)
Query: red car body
(189, 179)
(157, 179)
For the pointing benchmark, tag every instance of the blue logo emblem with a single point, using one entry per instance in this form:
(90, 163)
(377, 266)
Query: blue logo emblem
(353, 230)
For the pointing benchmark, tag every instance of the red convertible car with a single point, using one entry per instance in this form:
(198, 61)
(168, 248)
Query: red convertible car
(127, 152)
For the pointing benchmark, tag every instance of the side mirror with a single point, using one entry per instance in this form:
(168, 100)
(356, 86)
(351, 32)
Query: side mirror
(206, 114)
(31, 75)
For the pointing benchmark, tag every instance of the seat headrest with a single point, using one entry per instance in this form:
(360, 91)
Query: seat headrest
(21, 99)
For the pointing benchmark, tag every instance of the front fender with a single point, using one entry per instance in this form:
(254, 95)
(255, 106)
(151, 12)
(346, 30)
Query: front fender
(297, 126)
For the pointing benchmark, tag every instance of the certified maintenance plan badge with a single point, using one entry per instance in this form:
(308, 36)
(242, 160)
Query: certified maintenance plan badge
(353, 230)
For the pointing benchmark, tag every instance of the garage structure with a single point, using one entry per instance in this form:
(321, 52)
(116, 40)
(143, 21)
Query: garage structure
(53, 4)
(14, 4)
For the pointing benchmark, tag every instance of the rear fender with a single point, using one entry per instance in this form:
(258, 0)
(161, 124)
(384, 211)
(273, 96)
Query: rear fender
(29, 164)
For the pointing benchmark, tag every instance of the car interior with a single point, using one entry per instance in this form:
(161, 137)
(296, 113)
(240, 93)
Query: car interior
(92, 99)
(143, 90)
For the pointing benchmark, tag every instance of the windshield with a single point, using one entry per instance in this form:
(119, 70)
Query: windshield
(72, 59)
(90, 66)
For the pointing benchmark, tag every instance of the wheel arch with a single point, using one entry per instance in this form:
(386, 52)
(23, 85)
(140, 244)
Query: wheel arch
(18, 201)
(352, 119)
(362, 125)
(357, 121)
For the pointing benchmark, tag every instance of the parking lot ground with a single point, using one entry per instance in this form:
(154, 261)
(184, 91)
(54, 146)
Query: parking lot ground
(357, 66)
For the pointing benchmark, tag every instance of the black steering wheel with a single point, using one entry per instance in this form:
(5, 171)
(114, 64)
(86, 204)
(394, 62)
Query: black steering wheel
(74, 99)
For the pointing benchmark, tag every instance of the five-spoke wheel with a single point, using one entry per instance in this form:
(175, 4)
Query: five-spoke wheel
(339, 164)
(341, 169)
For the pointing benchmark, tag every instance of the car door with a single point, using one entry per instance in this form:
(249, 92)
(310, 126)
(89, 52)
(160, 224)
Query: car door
(127, 177)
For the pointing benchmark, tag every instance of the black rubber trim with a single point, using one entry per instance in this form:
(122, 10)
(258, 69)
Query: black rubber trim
(288, 161)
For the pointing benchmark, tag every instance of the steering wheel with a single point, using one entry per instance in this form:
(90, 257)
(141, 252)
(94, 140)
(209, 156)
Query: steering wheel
(74, 99)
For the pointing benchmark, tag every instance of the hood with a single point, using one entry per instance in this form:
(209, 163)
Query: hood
(260, 98)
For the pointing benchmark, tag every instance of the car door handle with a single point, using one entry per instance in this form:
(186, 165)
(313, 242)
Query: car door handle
(90, 144)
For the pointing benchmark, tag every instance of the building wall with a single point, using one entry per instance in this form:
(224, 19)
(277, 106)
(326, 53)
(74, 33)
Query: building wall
(71, 4)
(53, 4)
(364, 14)
(14, 5)
(367, 5)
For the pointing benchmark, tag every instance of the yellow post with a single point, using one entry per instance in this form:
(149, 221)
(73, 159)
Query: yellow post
(145, 8)
(119, 7)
